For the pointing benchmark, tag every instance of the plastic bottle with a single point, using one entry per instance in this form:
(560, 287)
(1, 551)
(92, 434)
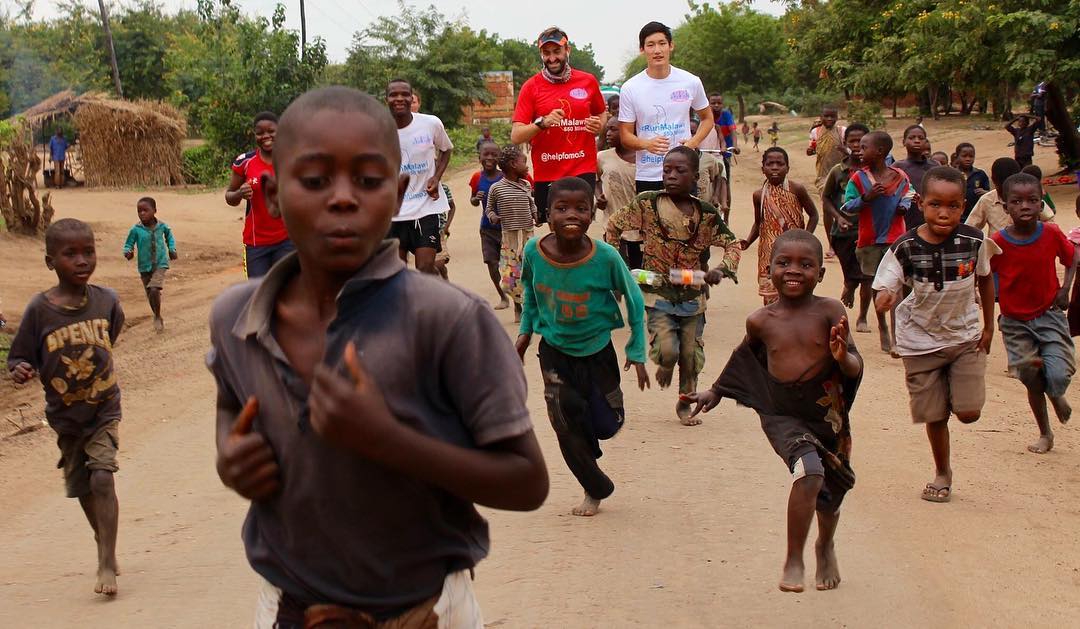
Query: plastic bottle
(686, 277)
(641, 276)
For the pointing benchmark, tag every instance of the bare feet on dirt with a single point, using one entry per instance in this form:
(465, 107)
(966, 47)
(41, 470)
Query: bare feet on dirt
(792, 579)
(106, 582)
(1062, 408)
(503, 305)
(1043, 445)
(862, 326)
(828, 570)
(589, 507)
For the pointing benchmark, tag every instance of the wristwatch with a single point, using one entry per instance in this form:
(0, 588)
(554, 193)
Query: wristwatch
(539, 122)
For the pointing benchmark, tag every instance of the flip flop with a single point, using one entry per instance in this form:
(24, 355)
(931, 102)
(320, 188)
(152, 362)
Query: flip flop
(932, 493)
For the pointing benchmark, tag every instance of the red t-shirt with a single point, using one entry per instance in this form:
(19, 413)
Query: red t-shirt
(566, 150)
(260, 229)
(1027, 276)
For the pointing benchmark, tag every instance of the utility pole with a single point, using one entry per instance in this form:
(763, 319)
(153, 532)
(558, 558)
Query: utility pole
(303, 32)
(112, 50)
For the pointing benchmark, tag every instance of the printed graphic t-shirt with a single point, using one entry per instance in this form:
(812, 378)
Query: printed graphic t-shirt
(71, 349)
(660, 107)
(419, 142)
(566, 149)
(260, 228)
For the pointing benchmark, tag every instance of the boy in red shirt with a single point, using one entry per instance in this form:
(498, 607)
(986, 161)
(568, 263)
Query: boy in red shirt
(1032, 302)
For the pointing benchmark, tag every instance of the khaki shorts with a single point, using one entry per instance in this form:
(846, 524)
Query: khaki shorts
(81, 455)
(153, 279)
(869, 258)
(951, 379)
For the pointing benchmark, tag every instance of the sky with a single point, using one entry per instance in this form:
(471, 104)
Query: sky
(611, 26)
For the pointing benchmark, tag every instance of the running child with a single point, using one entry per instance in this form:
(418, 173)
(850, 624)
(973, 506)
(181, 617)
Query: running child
(616, 169)
(990, 211)
(915, 166)
(745, 132)
(360, 396)
(155, 244)
(845, 227)
(712, 179)
(938, 333)
(442, 258)
(774, 133)
(678, 229)
(510, 205)
(880, 195)
(757, 136)
(778, 206)
(799, 369)
(490, 234)
(570, 281)
(976, 183)
(65, 339)
(1033, 323)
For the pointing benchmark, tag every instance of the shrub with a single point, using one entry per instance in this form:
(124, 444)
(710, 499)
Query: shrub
(866, 112)
(464, 139)
(205, 166)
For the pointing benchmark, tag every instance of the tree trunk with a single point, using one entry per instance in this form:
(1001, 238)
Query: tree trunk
(742, 108)
(303, 32)
(112, 50)
(894, 99)
(964, 103)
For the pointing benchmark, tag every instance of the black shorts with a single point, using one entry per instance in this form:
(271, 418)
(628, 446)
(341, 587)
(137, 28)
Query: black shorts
(417, 234)
(540, 194)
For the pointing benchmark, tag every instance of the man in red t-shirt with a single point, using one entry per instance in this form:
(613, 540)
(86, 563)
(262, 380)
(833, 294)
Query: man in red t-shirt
(265, 239)
(558, 113)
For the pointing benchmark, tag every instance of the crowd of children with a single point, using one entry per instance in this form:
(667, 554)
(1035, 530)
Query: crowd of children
(391, 402)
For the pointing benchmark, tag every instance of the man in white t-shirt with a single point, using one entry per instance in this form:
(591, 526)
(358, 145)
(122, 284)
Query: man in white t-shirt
(425, 153)
(655, 106)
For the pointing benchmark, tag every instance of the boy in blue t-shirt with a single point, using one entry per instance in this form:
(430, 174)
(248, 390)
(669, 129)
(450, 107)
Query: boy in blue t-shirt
(569, 300)
(490, 235)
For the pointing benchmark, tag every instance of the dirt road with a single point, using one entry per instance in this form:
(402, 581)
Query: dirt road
(693, 536)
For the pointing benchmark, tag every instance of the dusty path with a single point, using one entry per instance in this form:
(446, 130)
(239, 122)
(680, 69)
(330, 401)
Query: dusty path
(693, 536)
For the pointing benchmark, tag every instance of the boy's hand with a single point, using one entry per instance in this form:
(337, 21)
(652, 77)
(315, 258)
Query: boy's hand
(810, 150)
(1062, 299)
(172, 255)
(477, 198)
(245, 463)
(601, 202)
(432, 187)
(713, 277)
(658, 145)
(876, 191)
(986, 338)
(522, 345)
(245, 191)
(705, 401)
(885, 300)
(642, 374)
(743, 244)
(23, 373)
(351, 412)
(843, 224)
(838, 336)
(129, 254)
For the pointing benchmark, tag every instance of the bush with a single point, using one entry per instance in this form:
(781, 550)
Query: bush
(205, 166)
(464, 139)
(866, 112)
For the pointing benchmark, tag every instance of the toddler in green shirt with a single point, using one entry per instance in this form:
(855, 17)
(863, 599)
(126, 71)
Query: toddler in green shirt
(568, 281)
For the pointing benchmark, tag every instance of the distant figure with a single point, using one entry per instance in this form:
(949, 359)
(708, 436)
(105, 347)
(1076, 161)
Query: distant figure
(485, 136)
(58, 147)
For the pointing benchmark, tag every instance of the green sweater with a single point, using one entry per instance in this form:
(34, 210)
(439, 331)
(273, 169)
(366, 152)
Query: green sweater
(572, 305)
(154, 245)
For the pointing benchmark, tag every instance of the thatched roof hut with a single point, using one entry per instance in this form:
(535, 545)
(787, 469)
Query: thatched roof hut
(124, 143)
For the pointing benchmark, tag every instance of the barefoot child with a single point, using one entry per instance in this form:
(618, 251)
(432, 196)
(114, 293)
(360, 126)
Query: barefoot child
(845, 228)
(569, 281)
(799, 369)
(442, 258)
(757, 136)
(938, 334)
(880, 195)
(778, 206)
(678, 230)
(490, 235)
(510, 205)
(65, 339)
(154, 242)
(352, 394)
(989, 212)
(1033, 323)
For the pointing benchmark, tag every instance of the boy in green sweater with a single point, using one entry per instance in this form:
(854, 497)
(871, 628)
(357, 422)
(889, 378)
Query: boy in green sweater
(154, 241)
(568, 281)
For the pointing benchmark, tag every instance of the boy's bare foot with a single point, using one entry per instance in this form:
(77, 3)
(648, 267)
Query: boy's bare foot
(663, 376)
(503, 305)
(1062, 409)
(106, 582)
(862, 326)
(828, 571)
(1043, 445)
(938, 490)
(847, 297)
(792, 579)
(159, 324)
(589, 507)
(886, 339)
(683, 410)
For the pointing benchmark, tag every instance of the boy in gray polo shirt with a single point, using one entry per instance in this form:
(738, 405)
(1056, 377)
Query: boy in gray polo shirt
(363, 482)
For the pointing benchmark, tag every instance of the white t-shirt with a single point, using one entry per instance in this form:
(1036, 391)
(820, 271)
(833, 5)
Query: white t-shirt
(660, 107)
(419, 142)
